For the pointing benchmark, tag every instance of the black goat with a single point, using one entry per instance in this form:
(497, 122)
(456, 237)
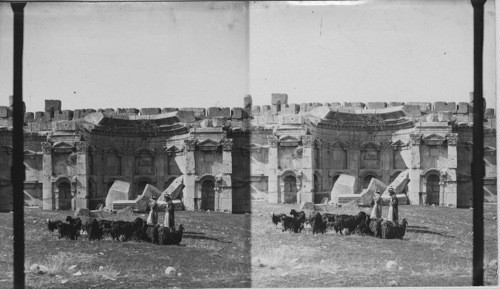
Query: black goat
(152, 233)
(318, 224)
(276, 218)
(291, 224)
(105, 226)
(52, 225)
(75, 222)
(348, 223)
(400, 229)
(140, 227)
(95, 231)
(177, 238)
(121, 229)
(376, 227)
(67, 231)
(388, 229)
(298, 215)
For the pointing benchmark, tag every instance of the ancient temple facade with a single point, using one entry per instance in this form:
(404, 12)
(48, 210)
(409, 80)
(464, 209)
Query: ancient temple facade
(282, 153)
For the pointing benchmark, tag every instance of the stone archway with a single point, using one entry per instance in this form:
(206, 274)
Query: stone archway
(432, 189)
(64, 195)
(141, 185)
(366, 180)
(290, 189)
(208, 195)
(334, 180)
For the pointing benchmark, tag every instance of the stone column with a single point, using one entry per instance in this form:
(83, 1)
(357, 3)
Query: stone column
(306, 194)
(274, 191)
(225, 190)
(386, 160)
(450, 192)
(82, 195)
(189, 191)
(353, 159)
(48, 201)
(415, 169)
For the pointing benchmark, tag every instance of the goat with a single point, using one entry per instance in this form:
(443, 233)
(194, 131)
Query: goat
(376, 227)
(52, 225)
(178, 235)
(276, 218)
(318, 224)
(68, 231)
(121, 229)
(95, 231)
(291, 224)
(388, 229)
(105, 226)
(152, 233)
(400, 229)
(75, 222)
(348, 222)
(140, 227)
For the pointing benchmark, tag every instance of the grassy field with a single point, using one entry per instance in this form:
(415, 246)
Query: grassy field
(218, 250)
(436, 251)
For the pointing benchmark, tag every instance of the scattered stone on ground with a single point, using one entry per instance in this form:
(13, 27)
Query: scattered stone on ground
(82, 212)
(72, 267)
(64, 281)
(101, 268)
(128, 211)
(391, 264)
(324, 201)
(352, 205)
(307, 206)
(169, 270)
(284, 274)
(79, 273)
(393, 283)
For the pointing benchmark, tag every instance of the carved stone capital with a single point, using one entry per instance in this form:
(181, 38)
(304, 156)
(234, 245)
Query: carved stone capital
(190, 144)
(273, 141)
(452, 139)
(46, 148)
(415, 139)
(386, 145)
(227, 144)
(307, 141)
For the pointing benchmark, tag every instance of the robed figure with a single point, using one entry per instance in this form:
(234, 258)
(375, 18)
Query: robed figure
(377, 206)
(393, 207)
(169, 214)
(153, 212)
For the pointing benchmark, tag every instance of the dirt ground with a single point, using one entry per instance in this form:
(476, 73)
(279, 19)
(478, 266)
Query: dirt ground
(230, 250)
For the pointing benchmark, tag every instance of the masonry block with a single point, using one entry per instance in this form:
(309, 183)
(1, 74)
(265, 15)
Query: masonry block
(255, 109)
(52, 105)
(358, 104)
(424, 106)
(150, 111)
(133, 111)
(293, 108)
(67, 114)
(304, 107)
(169, 109)
(348, 104)
(238, 113)
(219, 112)
(376, 105)
(100, 110)
(412, 110)
(247, 101)
(4, 112)
(279, 98)
(489, 113)
(464, 108)
(77, 113)
(63, 125)
(29, 117)
(444, 116)
(109, 111)
(198, 111)
(121, 110)
(445, 106)
(265, 108)
(395, 103)
(39, 114)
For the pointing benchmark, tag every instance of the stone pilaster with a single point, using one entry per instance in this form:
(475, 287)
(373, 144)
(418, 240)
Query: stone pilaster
(82, 195)
(225, 187)
(306, 177)
(353, 154)
(190, 197)
(386, 160)
(274, 191)
(48, 198)
(415, 170)
(450, 197)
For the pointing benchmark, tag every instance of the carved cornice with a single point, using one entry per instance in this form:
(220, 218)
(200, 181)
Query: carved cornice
(434, 139)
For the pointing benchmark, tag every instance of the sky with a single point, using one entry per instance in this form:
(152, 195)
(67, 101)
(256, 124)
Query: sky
(202, 54)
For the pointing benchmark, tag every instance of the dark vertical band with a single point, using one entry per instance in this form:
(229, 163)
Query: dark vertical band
(478, 148)
(17, 169)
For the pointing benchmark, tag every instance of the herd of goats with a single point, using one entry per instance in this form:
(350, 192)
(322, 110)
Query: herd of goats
(344, 224)
(119, 230)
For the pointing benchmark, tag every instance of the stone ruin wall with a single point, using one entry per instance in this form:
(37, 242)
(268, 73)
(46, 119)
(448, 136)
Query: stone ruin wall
(258, 120)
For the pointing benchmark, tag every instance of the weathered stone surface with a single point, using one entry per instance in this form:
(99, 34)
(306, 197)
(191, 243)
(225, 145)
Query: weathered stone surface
(5, 112)
(39, 115)
(120, 190)
(358, 104)
(52, 105)
(489, 113)
(399, 184)
(169, 109)
(109, 111)
(63, 125)
(198, 111)
(255, 109)
(368, 194)
(29, 117)
(279, 98)
(174, 189)
(395, 103)
(376, 105)
(150, 110)
(464, 108)
(412, 110)
(219, 112)
(345, 184)
(132, 111)
(238, 113)
(432, 117)
(444, 115)
(247, 101)
(424, 106)
(307, 206)
(82, 212)
(186, 116)
(445, 106)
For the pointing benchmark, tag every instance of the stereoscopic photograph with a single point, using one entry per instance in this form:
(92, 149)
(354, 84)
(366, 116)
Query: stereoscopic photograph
(248, 144)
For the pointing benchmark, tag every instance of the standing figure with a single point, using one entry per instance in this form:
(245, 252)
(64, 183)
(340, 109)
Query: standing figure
(153, 211)
(393, 209)
(377, 207)
(169, 214)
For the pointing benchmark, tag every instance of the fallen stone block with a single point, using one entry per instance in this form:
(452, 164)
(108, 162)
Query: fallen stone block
(345, 184)
(82, 212)
(174, 189)
(307, 206)
(399, 184)
(119, 191)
